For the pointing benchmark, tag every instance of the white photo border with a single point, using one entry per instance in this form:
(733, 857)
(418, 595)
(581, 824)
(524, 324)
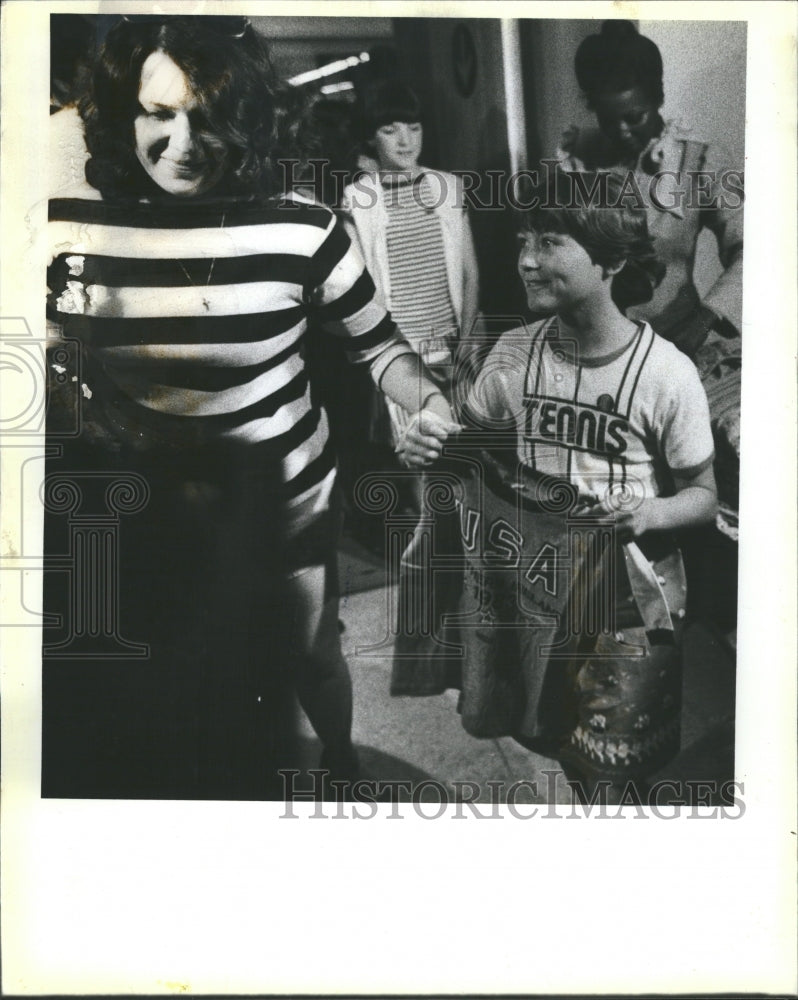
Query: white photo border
(137, 897)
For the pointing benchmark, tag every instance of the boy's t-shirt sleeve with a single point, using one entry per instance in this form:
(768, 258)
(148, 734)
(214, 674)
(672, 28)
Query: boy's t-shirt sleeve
(681, 420)
(496, 392)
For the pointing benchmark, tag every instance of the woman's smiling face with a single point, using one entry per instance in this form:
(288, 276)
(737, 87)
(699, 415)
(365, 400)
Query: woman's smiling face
(167, 132)
(557, 272)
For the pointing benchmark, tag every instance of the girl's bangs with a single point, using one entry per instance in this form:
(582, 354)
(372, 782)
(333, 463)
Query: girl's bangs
(404, 113)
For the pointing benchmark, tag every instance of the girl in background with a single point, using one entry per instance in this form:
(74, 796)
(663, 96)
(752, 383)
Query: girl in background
(410, 224)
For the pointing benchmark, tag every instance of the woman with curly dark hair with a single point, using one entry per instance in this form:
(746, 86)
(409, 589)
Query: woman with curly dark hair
(243, 115)
(187, 277)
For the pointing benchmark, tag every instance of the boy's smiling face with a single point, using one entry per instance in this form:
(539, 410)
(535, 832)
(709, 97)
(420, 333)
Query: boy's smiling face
(558, 273)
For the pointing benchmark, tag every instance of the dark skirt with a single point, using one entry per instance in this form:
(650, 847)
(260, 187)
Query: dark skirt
(167, 650)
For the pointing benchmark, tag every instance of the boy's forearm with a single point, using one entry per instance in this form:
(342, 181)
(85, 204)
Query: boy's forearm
(690, 507)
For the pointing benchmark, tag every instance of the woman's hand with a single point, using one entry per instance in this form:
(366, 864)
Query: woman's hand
(426, 434)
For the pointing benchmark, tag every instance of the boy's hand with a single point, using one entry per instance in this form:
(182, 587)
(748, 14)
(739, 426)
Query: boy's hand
(425, 436)
(629, 524)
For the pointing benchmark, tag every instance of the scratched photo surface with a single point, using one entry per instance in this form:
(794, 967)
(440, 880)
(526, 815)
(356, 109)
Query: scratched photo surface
(234, 268)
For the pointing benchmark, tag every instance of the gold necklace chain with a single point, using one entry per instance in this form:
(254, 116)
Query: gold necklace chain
(210, 269)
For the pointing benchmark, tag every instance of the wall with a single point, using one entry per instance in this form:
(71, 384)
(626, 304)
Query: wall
(552, 97)
(296, 43)
(705, 59)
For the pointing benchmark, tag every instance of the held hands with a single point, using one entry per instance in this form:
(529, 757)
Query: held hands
(426, 434)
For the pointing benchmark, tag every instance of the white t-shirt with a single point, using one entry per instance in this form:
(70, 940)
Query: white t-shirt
(627, 421)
